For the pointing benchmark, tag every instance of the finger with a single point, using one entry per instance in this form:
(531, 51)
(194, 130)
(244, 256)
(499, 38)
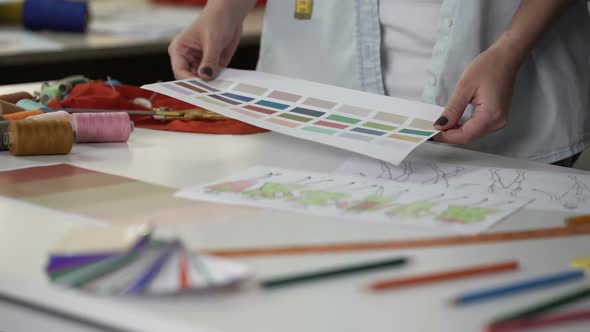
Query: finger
(449, 118)
(474, 128)
(181, 67)
(209, 67)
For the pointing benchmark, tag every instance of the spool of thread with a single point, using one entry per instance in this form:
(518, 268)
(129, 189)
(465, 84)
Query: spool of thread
(49, 93)
(64, 88)
(102, 127)
(111, 82)
(21, 115)
(35, 138)
(59, 115)
(11, 12)
(67, 83)
(28, 104)
(9, 108)
(4, 135)
(57, 15)
(13, 98)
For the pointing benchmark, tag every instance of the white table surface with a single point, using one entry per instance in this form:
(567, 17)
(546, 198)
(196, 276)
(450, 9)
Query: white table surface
(180, 159)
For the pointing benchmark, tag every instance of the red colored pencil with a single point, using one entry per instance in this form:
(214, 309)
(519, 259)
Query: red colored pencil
(445, 275)
(184, 277)
(541, 321)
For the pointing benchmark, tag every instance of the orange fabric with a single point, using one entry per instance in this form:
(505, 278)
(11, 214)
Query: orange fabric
(98, 95)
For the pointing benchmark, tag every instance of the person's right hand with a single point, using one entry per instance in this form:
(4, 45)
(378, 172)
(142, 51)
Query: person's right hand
(207, 45)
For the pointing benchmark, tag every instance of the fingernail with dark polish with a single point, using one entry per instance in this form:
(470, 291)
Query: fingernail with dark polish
(207, 71)
(441, 121)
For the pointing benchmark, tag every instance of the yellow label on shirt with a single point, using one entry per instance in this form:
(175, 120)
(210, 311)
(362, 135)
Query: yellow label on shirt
(303, 9)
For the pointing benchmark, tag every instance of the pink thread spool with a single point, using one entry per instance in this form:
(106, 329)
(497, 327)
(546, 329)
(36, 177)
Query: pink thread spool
(58, 115)
(101, 127)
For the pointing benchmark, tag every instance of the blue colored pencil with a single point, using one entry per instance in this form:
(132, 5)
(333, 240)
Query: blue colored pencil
(61, 262)
(144, 280)
(519, 287)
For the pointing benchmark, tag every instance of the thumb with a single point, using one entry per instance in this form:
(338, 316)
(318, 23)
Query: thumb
(209, 67)
(455, 108)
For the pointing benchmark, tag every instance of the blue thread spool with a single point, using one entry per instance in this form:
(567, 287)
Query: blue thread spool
(58, 15)
(28, 105)
(111, 82)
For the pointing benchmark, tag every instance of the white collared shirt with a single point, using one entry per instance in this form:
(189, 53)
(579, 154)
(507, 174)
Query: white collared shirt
(549, 118)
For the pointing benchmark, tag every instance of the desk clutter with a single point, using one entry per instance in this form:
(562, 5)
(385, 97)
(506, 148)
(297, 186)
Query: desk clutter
(127, 258)
(77, 110)
(29, 127)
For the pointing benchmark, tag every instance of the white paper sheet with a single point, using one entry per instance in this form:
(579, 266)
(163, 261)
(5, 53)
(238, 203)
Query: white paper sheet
(549, 191)
(378, 126)
(360, 199)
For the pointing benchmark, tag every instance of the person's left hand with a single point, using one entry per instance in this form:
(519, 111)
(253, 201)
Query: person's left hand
(487, 83)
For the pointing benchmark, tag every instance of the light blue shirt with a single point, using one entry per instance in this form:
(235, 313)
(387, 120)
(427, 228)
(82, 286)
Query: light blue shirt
(550, 112)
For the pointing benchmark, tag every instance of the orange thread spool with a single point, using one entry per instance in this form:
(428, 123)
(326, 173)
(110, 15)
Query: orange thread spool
(13, 98)
(34, 138)
(9, 108)
(21, 115)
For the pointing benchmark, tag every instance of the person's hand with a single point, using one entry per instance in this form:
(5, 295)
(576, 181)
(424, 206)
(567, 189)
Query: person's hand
(207, 45)
(487, 83)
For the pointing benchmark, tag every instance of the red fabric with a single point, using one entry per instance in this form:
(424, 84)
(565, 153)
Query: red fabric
(195, 2)
(100, 96)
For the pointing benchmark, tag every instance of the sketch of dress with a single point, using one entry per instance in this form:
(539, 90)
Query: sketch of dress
(576, 196)
(414, 171)
(506, 180)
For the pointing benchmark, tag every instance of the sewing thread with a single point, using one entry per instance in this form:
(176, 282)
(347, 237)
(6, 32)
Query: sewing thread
(9, 108)
(101, 127)
(13, 98)
(33, 138)
(28, 104)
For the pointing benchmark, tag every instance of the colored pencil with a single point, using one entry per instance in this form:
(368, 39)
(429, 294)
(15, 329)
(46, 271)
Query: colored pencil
(143, 281)
(184, 270)
(444, 276)
(545, 306)
(62, 262)
(520, 287)
(541, 321)
(581, 263)
(334, 272)
(79, 277)
(428, 242)
(576, 221)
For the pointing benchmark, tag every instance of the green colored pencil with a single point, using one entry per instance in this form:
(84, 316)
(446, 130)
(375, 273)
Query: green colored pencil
(309, 276)
(547, 305)
(86, 274)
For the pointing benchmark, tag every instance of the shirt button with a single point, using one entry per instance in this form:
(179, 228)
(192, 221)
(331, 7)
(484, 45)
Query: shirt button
(432, 80)
(449, 22)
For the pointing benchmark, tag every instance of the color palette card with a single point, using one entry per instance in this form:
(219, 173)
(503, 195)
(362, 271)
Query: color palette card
(103, 196)
(378, 126)
(366, 200)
